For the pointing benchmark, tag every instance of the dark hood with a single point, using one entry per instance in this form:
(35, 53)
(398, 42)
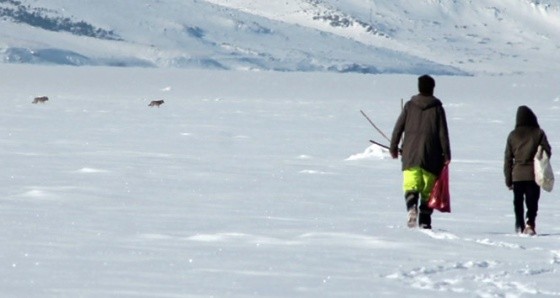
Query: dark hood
(526, 117)
(425, 102)
(426, 85)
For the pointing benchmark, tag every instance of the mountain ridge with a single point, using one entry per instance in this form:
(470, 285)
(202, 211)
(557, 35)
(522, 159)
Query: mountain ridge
(432, 36)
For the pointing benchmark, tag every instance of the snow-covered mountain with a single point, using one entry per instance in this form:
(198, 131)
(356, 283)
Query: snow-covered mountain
(368, 36)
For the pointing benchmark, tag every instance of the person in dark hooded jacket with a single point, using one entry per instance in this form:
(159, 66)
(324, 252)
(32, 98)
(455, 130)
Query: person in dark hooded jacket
(521, 147)
(425, 149)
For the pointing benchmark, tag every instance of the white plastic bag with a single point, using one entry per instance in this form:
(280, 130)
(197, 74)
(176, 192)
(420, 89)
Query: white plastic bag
(544, 176)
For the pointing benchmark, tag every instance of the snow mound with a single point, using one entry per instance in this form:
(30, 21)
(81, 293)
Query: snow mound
(371, 152)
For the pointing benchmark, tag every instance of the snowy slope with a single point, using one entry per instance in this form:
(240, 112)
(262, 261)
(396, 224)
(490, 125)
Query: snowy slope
(475, 36)
(257, 184)
(441, 37)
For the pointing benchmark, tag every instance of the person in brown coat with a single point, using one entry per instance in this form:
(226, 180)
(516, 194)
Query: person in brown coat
(425, 149)
(521, 147)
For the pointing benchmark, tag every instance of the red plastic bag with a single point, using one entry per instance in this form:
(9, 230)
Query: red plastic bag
(439, 198)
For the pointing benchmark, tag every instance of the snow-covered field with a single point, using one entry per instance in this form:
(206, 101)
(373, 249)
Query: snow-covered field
(257, 184)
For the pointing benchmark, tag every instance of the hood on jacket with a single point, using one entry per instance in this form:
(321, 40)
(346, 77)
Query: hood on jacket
(425, 102)
(426, 85)
(526, 117)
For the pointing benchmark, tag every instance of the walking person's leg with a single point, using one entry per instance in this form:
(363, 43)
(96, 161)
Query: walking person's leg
(412, 184)
(518, 206)
(425, 218)
(533, 192)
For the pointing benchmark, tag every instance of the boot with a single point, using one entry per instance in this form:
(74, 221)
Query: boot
(530, 229)
(412, 218)
(411, 199)
(425, 219)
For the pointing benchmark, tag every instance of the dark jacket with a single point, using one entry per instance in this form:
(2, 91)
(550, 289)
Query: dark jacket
(521, 147)
(426, 138)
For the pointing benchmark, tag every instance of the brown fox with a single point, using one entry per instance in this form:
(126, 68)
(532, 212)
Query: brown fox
(156, 103)
(41, 99)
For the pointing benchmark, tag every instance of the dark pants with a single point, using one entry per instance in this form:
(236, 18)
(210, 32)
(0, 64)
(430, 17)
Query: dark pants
(527, 192)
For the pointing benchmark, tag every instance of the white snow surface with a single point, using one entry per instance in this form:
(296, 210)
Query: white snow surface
(257, 184)
(363, 36)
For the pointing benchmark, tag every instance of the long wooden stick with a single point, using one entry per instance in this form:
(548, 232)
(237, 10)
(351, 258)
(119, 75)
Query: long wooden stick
(375, 126)
(384, 146)
(379, 144)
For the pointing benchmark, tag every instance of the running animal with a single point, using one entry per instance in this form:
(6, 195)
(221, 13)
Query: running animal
(156, 103)
(41, 99)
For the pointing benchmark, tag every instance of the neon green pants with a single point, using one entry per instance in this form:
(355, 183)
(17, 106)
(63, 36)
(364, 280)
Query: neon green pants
(419, 180)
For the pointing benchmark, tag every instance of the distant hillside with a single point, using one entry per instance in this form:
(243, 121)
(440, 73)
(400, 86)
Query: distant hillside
(15, 11)
(363, 36)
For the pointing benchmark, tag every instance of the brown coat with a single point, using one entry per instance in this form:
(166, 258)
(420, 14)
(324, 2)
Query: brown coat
(521, 147)
(426, 138)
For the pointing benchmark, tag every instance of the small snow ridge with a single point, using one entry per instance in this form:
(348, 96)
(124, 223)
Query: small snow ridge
(371, 152)
(241, 137)
(155, 237)
(166, 89)
(343, 239)
(216, 237)
(439, 234)
(35, 193)
(489, 242)
(314, 172)
(240, 238)
(91, 170)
